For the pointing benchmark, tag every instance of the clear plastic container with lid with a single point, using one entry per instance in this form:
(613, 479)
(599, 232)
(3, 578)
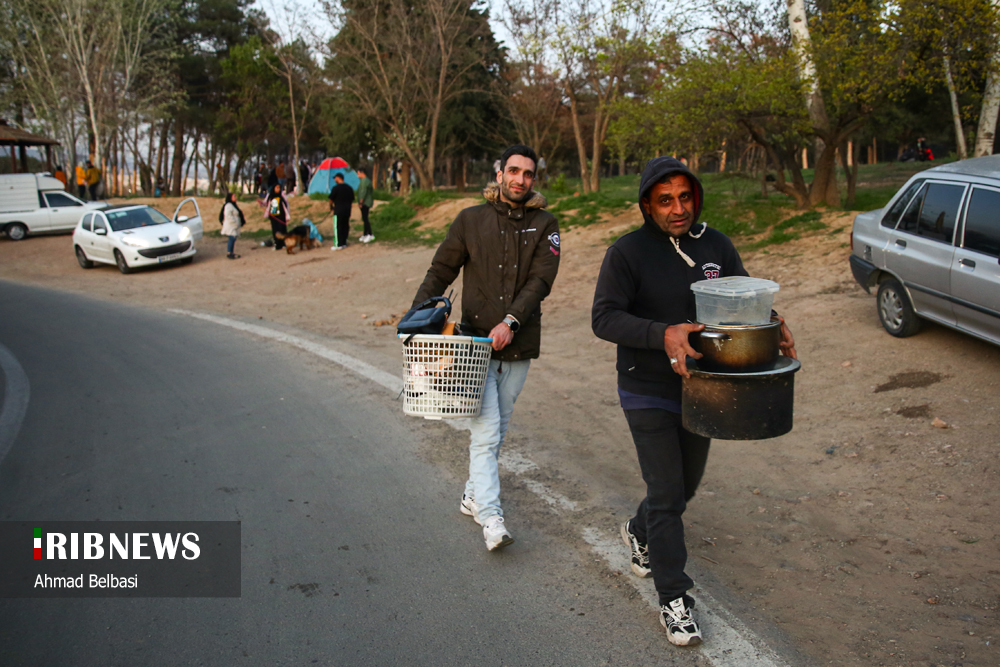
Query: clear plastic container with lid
(734, 301)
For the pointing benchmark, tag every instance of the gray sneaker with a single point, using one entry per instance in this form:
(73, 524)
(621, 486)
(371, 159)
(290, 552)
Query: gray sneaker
(640, 552)
(469, 508)
(676, 619)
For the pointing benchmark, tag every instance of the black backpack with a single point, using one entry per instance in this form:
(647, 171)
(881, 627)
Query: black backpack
(426, 318)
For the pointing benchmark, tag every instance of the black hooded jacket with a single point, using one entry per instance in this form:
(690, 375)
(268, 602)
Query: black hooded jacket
(645, 286)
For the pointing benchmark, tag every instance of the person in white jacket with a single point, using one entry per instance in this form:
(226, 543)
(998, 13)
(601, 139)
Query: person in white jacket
(232, 219)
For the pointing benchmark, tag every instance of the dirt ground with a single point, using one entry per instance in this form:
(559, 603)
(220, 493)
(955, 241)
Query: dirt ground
(867, 532)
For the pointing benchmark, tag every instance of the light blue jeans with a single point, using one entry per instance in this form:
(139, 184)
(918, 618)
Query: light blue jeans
(503, 385)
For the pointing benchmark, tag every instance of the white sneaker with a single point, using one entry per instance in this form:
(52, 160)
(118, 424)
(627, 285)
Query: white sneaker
(495, 533)
(338, 247)
(469, 508)
(367, 239)
(682, 630)
(640, 552)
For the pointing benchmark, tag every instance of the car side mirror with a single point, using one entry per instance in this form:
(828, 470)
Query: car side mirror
(101, 232)
(183, 218)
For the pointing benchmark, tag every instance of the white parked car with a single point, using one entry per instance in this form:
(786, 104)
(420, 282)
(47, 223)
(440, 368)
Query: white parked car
(134, 236)
(35, 204)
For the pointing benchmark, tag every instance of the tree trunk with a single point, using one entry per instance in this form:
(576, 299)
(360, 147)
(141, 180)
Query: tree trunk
(460, 175)
(404, 183)
(581, 150)
(956, 115)
(178, 163)
(193, 158)
(161, 149)
(849, 160)
(824, 185)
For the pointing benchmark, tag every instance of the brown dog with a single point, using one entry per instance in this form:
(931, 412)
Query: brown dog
(298, 236)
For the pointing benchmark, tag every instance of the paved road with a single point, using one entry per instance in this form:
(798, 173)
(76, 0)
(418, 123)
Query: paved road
(353, 550)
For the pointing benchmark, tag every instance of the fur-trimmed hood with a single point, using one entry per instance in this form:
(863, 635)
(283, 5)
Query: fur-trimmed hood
(492, 194)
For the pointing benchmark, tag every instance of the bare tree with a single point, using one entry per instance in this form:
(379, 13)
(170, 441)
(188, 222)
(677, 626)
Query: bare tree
(403, 61)
(288, 35)
(600, 48)
(991, 98)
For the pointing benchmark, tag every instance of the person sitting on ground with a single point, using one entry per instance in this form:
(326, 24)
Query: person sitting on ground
(232, 220)
(278, 214)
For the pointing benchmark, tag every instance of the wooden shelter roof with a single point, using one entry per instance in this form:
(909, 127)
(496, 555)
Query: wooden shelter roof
(12, 136)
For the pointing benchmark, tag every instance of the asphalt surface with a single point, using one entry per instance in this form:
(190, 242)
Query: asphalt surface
(354, 552)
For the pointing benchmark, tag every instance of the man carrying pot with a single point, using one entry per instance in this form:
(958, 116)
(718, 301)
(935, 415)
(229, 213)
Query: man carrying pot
(643, 302)
(508, 251)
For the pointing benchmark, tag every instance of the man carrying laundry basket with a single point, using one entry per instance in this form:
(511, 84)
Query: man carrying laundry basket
(509, 248)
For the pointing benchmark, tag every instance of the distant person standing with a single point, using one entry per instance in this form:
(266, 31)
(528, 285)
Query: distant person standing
(543, 176)
(81, 182)
(341, 199)
(282, 176)
(304, 175)
(60, 175)
(278, 215)
(93, 180)
(272, 178)
(365, 201)
(232, 221)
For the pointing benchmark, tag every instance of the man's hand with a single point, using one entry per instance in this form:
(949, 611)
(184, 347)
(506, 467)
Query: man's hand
(675, 344)
(502, 336)
(787, 343)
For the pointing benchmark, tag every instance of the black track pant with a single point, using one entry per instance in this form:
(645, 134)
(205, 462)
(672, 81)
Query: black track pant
(672, 462)
(278, 227)
(343, 222)
(364, 218)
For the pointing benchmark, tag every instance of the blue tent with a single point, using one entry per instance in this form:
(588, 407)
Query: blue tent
(322, 181)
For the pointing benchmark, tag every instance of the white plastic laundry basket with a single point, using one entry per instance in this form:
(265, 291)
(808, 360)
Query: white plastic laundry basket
(444, 376)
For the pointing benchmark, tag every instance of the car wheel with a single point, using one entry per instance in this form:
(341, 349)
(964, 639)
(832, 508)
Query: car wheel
(82, 258)
(895, 311)
(16, 231)
(122, 264)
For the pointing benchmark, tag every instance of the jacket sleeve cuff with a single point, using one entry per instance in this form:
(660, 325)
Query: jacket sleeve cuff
(655, 334)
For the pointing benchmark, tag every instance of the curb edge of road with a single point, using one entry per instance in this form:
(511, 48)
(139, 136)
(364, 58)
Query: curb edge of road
(744, 648)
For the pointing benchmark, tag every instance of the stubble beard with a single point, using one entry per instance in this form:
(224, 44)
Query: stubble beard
(506, 192)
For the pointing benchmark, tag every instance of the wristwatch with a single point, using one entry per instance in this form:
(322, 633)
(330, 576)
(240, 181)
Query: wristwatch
(512, 323)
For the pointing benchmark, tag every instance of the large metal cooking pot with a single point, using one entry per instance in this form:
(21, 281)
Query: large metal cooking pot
(739, 406)
(738, 348)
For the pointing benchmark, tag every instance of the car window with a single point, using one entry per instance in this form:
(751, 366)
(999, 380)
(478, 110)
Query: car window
(908, 221)
(85, 223)
(982, 222)
(933, 212)
(892, 217)
(940, 211)
(59, 199)
(99, 222)
(135, 217)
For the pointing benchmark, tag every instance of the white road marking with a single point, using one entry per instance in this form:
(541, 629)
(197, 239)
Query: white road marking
(731, 643)
(17, 391)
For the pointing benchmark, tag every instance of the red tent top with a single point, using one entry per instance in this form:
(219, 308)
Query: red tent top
(334, 163)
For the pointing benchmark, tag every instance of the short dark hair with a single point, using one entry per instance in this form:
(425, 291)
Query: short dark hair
(338, 175)
(518, 149)
(363, 170)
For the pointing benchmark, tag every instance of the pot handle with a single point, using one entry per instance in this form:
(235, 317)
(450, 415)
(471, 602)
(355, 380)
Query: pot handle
(715, 335)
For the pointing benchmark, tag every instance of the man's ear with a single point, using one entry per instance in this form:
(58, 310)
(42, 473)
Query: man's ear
(500, 176)
(644, 205)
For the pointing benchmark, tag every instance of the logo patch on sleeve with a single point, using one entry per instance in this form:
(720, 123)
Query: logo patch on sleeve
(554, 239)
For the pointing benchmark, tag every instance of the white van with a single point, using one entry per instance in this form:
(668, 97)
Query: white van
(34, 204)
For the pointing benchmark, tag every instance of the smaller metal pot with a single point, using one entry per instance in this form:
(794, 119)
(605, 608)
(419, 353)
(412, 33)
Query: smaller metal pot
(737, 348)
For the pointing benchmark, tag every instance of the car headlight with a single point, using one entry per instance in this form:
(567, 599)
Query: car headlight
(135, 242)
(185, 233)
